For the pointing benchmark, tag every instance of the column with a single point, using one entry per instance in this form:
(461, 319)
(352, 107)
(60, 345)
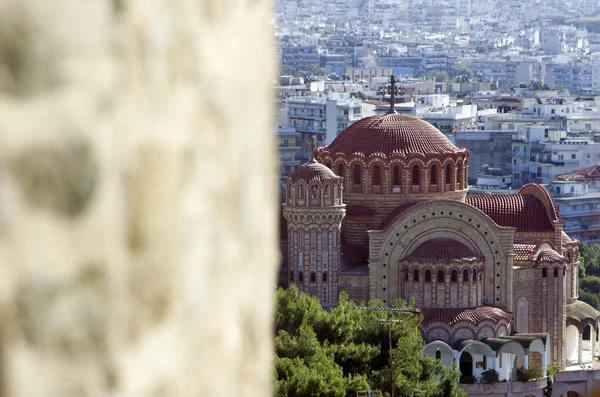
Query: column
(545, 361)
(593, 341)
(580, 348)
(526, 360)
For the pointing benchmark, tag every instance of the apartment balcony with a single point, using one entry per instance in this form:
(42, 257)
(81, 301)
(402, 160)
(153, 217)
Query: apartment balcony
(285, 148)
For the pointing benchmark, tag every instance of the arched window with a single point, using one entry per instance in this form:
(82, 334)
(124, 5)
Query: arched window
(416, 180)
(300, 277)
(327, 191)
(433, 174)
(301, 192)
(555, 272)
(440, 276)
(545, 272)
(453, 276)
(396, 175)
(448, 174)
(416, 275)
(340, 170)
(427, 276)
(522, 315)
(405, 274)
(438, 355)
(460, 175)
(474, 274)
(465, 276)
(564, 272)
(291, 276)
(357, 174)
(377, 175)
(324, 277)
(569, 256)
(313, 278)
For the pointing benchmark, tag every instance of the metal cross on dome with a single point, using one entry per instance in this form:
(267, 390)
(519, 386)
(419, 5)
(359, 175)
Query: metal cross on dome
(393, 90)
(313, 144)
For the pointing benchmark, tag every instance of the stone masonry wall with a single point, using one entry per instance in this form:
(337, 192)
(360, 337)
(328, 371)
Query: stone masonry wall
(137, 199)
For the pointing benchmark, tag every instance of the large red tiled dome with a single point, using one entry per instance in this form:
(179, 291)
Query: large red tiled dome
(392, 135)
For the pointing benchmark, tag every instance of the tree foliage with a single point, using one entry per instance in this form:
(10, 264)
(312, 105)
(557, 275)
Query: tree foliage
(336, 353)
(589, 274)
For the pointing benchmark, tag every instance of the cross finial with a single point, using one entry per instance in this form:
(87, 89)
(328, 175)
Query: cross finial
(313, 144)
(393, 90)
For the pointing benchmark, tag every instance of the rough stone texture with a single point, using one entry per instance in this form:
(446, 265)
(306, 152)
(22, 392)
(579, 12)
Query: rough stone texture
(137, 198)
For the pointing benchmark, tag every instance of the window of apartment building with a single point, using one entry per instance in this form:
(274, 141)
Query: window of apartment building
(561, 157)
(517, 175)
(546, 133)
(573, 156)
(553, 111)
(514, 161)
(539, 172)
(588, 126)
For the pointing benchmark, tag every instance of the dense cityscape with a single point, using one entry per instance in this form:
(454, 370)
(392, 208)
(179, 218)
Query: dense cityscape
(441, 155)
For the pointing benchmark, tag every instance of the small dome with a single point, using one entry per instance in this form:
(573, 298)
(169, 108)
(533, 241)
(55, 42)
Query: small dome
(550, 256)
(392, 135)
(313, 171)
(443, 250)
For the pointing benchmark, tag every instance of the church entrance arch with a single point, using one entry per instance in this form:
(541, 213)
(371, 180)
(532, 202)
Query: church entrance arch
(466, 364)
(432, 220)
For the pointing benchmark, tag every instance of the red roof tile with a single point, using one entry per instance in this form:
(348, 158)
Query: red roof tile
(443, 250)
(359, 210)
(522, 211)
(313, 171)
(524, 252)
(473, 315)
(550, 256)
(586, 174)
(352, 254)
(395, 213)
(392, 135)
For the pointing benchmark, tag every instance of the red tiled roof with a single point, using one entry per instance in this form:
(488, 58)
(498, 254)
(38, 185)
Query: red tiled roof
(392, 135)
(443, 250)
(524, 252)
(359, 210)
(352, 254)
(395, 213)
(473, 315)
(522, 211)
(314, 171)
(586, 174)
(550, 256)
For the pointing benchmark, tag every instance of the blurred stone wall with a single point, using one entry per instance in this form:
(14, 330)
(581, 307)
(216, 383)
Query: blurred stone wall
(137, 198)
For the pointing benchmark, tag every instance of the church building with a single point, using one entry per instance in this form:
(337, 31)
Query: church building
(383, 213)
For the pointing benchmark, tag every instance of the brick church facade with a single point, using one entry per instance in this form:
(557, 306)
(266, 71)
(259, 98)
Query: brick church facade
(383, 213)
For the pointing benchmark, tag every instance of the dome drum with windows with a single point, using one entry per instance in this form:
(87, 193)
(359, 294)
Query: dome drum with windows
(396, 155)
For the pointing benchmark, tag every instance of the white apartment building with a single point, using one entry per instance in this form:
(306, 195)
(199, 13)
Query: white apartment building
(540, 154)
(578, 198)
(321, 114)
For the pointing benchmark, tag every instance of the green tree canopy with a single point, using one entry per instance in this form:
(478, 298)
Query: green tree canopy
(589, 274)
(336, 353)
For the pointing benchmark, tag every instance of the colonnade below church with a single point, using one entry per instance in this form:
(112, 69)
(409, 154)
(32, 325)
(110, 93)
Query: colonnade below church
(502, 354)
(582, 343)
